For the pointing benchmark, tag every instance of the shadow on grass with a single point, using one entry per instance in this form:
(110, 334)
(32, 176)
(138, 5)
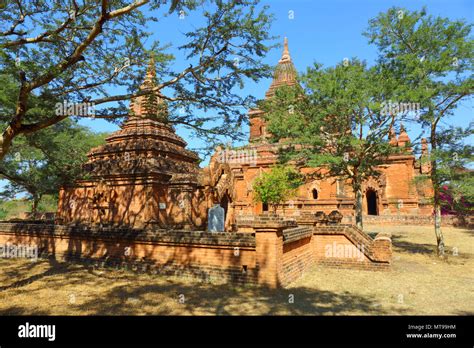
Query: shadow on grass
(403, 246)
(468, 231)
(225, 299)
(18, 270)
(162, 298)
(55, 268)
(15, 310)
(471, 313)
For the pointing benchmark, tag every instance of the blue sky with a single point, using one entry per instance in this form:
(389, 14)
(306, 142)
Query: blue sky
(323, 31)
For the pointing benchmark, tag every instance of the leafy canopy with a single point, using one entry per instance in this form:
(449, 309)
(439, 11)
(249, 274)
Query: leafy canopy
(80, 51)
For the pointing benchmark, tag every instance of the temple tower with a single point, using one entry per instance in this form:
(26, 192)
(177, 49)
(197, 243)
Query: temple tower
(142, 175)
(284, 75)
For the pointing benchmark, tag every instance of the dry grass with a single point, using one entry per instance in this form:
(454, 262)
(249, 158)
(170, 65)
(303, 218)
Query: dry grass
(418, 283)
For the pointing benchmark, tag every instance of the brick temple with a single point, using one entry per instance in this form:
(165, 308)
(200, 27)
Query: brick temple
(143, 175)
(393, 193)
(143, 203)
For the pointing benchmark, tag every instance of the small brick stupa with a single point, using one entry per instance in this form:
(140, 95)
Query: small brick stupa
(143, 174)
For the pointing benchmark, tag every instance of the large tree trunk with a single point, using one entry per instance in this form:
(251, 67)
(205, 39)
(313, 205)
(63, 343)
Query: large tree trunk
(358, 206)
(5, 141)
(439, 234)
(436, 200)
(34, 207)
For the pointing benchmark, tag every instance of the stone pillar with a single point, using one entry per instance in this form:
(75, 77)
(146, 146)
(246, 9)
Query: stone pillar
(269, 247)
(382, 247)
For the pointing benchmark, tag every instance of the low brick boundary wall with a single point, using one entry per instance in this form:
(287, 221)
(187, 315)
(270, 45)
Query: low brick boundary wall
(272, 252)
(129, 234)
(294, 234)
(446, 220)
(207, 256)
(347, 246)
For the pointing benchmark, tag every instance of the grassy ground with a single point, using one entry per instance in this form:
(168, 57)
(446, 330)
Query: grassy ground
(15, 208)
(418, 283)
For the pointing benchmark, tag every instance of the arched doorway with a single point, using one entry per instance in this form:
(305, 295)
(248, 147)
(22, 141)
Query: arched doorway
(224, 203)
(371, 197)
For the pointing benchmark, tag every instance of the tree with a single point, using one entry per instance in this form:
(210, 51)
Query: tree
(454, 157)
(277, 185)
(66, 51)
(432, 59)
(42, 162)
(338, 126)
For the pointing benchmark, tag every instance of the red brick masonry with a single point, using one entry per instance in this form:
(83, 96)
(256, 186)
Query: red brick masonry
(274, 252)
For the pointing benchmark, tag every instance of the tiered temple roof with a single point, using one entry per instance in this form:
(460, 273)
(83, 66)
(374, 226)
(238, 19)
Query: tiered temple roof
(146, 145)
(285, 72)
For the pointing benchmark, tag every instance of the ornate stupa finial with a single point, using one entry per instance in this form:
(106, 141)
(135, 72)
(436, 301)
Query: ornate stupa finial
(285, 57)
(150, 105)
(402, 128)
(403, 138)
(150, 77)
(285, 72)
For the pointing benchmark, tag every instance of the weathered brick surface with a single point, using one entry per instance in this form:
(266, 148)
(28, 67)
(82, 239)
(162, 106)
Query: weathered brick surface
(297, 258)
(356, 247)
(294, 234)
(275, 254)
(225, 255)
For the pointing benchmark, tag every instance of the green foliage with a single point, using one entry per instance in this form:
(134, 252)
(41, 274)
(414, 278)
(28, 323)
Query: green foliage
(57, 54)
(454, 160)
(277, 185)
(432, 59)
(3, 213)
(40, 163)
(338, 121)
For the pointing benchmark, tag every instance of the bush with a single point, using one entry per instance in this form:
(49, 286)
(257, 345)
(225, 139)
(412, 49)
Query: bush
(277, 185)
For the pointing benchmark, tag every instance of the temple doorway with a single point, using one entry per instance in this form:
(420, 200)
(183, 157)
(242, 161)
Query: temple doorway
(224, 203)
(371, 197)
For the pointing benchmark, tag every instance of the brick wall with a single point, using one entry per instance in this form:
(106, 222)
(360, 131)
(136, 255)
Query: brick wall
(207, 255)
(347, 246)
(272, 252)
(297, 257)
(449, 220)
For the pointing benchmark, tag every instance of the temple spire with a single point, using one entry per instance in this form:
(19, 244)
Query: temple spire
(403, 138)
(150, 105)
(285, 57)
(150, 77)
(285, 72)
